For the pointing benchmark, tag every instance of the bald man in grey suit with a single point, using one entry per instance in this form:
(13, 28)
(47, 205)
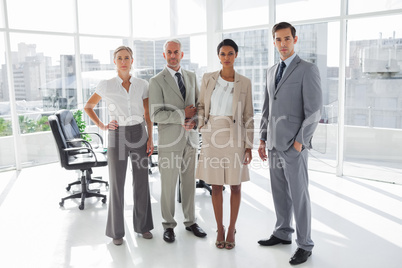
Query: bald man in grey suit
(173, 94)
(290, 115)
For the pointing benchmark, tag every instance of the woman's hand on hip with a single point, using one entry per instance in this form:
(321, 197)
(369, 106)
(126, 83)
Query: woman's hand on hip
(113, 125)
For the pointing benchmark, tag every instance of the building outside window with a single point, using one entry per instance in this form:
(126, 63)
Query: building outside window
(58, 65)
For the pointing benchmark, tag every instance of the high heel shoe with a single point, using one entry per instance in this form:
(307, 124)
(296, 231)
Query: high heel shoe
(230, 245)
(220, 244)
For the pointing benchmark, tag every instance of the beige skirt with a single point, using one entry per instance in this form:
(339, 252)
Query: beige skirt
(222, 154)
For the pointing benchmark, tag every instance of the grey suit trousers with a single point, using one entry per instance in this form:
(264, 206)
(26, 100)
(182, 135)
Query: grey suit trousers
(128, 141)
(289, 183)
(172, 164)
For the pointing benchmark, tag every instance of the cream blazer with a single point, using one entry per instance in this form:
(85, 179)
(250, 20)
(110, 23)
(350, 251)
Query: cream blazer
(242, 108)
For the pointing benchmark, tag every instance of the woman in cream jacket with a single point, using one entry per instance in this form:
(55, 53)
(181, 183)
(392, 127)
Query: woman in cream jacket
(225, 119)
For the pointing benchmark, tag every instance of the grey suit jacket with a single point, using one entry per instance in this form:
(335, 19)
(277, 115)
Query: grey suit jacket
(242, 107)
(166, 107)
(292, 110)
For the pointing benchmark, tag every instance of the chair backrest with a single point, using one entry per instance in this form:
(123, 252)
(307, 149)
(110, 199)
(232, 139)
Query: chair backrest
(81, 158)
(69, 127)
(59, 138)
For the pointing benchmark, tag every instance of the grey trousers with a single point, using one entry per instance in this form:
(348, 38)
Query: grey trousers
(128, 141)
(289, 183)
(171, 165)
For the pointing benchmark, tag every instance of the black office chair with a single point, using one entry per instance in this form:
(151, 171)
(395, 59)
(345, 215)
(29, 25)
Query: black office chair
(74, 157)
(74, 138)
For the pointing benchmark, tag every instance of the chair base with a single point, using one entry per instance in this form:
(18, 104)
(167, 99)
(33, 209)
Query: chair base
(151, 163)
(203, 184)
(85, 192)
(96, 180)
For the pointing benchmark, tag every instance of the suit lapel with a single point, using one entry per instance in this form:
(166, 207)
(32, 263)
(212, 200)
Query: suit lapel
(209, 90)
(289, 70)
(271, 79)
(236, 93)
(171, 82)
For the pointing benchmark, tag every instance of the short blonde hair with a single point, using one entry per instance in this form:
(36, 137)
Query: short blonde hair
(120, 48)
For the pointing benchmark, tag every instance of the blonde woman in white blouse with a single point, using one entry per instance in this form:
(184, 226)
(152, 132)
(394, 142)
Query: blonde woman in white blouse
(127, 102)
(225, 119)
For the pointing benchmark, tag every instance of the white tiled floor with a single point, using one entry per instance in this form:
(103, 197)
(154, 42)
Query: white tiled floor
(356, 223)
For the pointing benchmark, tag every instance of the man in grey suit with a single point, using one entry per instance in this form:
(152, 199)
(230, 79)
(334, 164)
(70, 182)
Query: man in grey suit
(290, 115)
(173, 94)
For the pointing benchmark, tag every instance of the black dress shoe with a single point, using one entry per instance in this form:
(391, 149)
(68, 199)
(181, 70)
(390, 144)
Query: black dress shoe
(196, 230)
(300, 256)
(168, 235)
(273, 240)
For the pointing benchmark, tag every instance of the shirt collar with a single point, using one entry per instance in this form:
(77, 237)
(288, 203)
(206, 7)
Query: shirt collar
(173, 72)
(121, 80)
(289, 60)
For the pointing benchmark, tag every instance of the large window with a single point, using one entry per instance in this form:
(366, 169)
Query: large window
(373, 110)
(42, 15)
(44, 78)
(104, 17)
(44, 81)
(60, 50)
(151, 18)
(240, 13)
(190, 10)
(7, 152)
(1, 13)
(294, 10)
(362, 6)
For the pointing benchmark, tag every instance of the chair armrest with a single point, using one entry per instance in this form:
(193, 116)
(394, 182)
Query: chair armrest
(94, 133)
(80, 140)
(75, 140)
(82, 148)
(88, 144)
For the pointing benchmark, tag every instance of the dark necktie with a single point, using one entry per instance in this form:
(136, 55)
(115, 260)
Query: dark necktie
(181, 85)
(280, 72)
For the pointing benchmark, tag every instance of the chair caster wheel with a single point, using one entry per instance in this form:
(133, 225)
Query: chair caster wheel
(104, 200)
(81, 207)
(61, 203)
(68, 188)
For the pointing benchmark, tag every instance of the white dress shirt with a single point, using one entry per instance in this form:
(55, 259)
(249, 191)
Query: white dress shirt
(173, 73)
(127, 108)
(288, 61)
(222, 98)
